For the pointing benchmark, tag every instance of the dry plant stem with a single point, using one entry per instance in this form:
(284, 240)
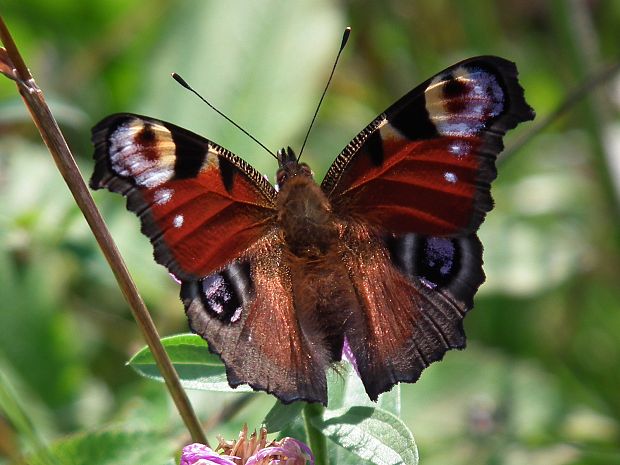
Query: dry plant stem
(53, 138)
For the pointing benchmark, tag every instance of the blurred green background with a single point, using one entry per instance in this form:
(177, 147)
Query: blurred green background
(540, 380)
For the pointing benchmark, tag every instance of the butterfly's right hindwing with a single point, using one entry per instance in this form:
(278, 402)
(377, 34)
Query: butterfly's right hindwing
(246, 311)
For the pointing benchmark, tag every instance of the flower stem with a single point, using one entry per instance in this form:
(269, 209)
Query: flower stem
(313, 414)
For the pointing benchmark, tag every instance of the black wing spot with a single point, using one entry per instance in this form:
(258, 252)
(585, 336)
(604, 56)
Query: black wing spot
(189, 152)
(450, 264)
(227, 173)
(435, 260)
(455, 93)
(454, 88)
(146, 136)
(438, 260)
(374, 148)
(413, 121)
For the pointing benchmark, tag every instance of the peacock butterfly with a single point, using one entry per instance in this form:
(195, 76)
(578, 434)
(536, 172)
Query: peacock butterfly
(381, 258)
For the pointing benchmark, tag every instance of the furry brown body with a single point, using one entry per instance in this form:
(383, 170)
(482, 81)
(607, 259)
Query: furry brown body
(322, 290)
(383, 254)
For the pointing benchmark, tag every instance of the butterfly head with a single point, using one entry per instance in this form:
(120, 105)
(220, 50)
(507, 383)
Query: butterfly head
(290, 167)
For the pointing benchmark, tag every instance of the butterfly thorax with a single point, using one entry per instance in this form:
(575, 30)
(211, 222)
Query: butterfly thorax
(304, 212)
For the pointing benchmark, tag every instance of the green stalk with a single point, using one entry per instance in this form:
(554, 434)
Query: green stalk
(316, 439)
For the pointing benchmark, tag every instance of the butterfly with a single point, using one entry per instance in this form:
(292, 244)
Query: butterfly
(380, 260)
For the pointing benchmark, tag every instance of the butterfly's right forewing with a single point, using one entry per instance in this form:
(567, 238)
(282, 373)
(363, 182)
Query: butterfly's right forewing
(200, 205)
(212, 221)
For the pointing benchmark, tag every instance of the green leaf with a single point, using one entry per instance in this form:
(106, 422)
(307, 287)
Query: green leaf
(337, 385)
(346, 389)
(296, 428)
(371, 434)
(197, 367)
(313, 415)
(390, 401)
(281, 415)
(112, 448)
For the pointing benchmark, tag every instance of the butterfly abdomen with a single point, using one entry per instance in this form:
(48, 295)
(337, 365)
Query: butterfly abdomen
(323, 301)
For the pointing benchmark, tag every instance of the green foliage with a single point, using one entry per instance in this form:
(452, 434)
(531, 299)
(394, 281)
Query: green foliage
(365, 430)
(539, 381)
(370, 434)
(282, 415)
(114, 447)
(197, 367)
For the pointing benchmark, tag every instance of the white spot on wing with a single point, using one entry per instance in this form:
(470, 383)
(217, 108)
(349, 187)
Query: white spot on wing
(236, 315)
(389, 133)
(155, 177)
(450, 177)
(427, 283)
(163, 196)
(216, 292)
(178, 220)
(459, 148)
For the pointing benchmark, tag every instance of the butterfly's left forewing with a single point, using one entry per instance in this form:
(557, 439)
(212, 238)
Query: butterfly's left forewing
(426, 163)
(411, 190)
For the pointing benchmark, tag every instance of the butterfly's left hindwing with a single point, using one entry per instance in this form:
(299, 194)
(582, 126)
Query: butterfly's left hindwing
(247, 313)
(200, 205)
(411, 190)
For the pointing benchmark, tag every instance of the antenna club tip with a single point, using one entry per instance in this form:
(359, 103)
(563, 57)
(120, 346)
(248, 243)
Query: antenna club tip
(345, 36)
(180, 80)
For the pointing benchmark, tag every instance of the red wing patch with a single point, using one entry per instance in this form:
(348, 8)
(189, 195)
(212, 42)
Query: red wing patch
(421, 186)
(402, 324)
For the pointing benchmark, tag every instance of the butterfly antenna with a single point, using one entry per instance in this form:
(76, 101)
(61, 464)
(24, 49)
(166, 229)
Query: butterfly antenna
(345, 38)
(184, 83)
